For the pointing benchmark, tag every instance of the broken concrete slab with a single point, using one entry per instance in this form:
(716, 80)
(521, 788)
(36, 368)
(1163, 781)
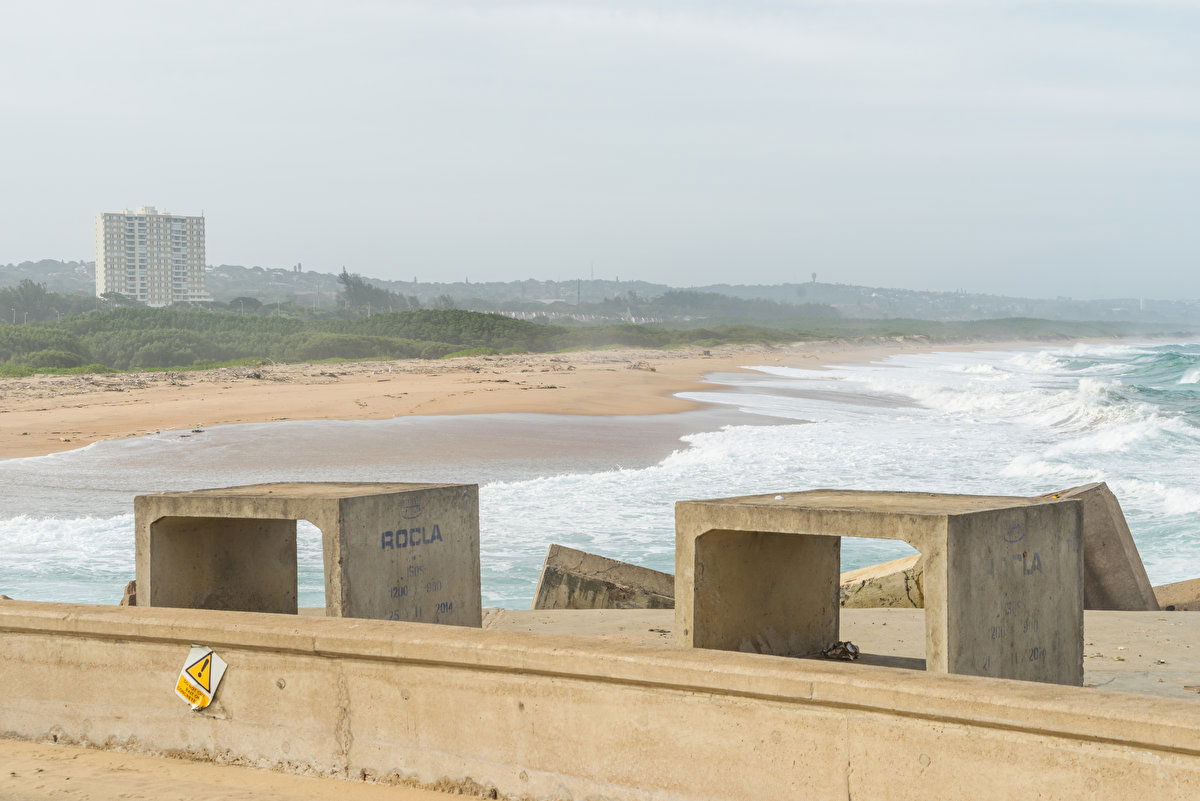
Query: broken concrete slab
(1114, 577)
(1182, 596)
(1113, 574)
(573, 579)
(899, 583)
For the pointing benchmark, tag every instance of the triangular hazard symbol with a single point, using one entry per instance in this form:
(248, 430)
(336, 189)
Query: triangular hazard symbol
(201, 671)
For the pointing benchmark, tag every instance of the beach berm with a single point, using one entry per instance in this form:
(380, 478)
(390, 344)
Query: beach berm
(51, 413)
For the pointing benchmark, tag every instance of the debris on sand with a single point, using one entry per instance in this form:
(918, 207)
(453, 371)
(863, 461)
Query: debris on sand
(842, 650)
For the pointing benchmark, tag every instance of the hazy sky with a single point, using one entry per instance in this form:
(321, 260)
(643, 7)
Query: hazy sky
(1036, 148)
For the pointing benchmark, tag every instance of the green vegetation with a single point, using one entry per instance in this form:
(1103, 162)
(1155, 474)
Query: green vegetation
(73, 334)
(141, 338)
(30, 302)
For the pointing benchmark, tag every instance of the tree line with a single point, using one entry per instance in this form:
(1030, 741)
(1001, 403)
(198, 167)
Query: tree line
(81, 334)
(142, 338)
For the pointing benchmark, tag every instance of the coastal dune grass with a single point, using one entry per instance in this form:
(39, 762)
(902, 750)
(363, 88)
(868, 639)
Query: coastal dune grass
(173, 338)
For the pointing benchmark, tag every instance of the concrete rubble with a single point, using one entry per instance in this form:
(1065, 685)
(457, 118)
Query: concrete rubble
(1182, 596)
(899, 583)
(1114, 576)
(574, 579)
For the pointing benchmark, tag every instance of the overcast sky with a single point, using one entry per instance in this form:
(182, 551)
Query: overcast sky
(1034, 148)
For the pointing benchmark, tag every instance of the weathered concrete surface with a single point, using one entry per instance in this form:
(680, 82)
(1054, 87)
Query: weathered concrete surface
(237, 564)
(1182, 596)
(1113, 574)
(572, 579)
(1003, 577)
(899, 583)
(1155, 653)
(418, 703)
(391, 551)
(408, 702)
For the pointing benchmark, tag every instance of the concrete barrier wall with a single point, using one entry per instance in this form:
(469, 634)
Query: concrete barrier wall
(558, 717)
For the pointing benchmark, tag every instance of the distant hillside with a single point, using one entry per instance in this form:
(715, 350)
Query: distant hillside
(880, 303)
(600, 300)
(67, 277)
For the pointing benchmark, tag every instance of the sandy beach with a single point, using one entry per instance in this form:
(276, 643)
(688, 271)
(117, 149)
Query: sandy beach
(51, 413)
(36, 771)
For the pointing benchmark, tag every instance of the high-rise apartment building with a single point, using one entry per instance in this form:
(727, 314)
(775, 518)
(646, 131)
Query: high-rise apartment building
(155, 258)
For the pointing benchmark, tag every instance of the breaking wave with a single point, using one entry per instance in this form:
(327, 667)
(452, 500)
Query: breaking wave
(1018, 422)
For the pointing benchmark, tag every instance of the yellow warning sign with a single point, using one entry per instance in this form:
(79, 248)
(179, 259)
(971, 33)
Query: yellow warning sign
(202, 672)
(190, 693)
(200, 676)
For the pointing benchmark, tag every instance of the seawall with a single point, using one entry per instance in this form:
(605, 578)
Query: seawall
(549, 717)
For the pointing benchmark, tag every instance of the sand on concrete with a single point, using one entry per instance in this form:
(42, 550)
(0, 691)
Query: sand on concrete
(37, 771)
(1152, 653)
(51, 413)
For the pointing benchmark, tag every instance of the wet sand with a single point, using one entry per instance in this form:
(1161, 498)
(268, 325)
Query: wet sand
(49, 414)
(479, 448)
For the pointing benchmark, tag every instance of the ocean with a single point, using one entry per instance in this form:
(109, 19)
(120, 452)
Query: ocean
(1016, 422)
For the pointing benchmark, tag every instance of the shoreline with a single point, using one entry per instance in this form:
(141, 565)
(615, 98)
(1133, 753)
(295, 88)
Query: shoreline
(47, 414)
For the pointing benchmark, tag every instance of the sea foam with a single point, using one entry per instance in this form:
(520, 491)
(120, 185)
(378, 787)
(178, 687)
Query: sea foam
(990, 422)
